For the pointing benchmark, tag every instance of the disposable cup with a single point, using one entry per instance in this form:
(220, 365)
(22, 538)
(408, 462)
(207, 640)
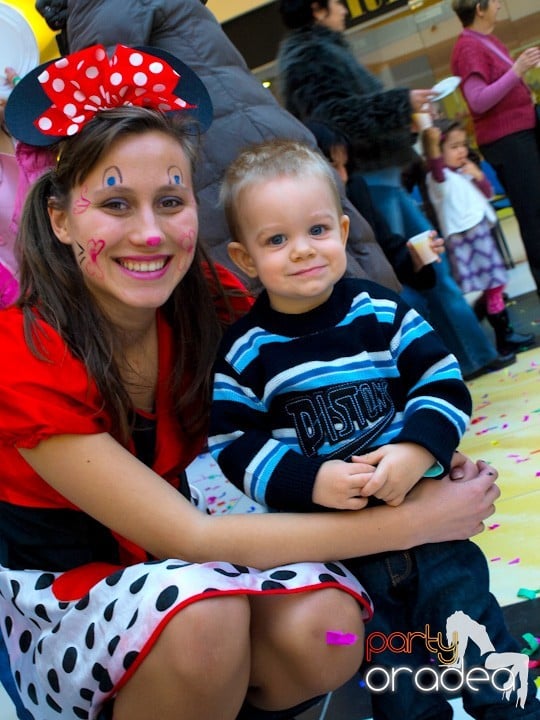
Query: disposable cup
(421, 244)
(423, 121)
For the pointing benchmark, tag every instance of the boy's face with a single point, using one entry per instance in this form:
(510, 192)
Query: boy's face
(293, 238)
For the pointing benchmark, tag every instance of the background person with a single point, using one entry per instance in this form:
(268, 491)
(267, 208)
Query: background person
(322, 81)
(459, 191)
(503, 113)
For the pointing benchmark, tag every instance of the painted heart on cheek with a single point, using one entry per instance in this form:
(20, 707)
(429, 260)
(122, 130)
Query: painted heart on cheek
(95, 247)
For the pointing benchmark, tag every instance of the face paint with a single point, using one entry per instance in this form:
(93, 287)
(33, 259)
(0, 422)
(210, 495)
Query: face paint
(153, 241)
(187, 241)
(82, 204)
(94, 247)
(112, 176)
(175, 175)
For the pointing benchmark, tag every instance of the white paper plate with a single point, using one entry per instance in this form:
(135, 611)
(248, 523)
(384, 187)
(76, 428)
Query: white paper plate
(18, 46)
(445, 87)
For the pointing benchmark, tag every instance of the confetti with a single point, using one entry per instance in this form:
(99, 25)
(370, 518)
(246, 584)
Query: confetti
(526, 593)
(494, 526)
(515, 561)
(334, 637)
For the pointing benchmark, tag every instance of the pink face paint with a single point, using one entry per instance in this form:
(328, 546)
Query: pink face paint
(82, 204)
(153, 241)
(94, 248)
(187, 241)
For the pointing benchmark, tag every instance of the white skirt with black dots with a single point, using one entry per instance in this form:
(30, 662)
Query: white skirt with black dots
(69, 657)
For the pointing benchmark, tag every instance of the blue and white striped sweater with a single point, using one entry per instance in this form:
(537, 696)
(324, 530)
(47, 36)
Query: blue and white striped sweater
(292, 391)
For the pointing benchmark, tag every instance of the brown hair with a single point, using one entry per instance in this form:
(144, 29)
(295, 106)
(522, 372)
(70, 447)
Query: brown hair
(466, 10)
(268, 160)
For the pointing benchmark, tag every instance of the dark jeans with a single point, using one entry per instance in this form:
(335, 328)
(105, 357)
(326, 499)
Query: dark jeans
(6, 678)
(516, 160)
(424, 586)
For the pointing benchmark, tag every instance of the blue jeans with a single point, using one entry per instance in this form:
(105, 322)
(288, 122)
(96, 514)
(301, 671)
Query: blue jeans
(443, 306)
(424, 586)
(6, 678)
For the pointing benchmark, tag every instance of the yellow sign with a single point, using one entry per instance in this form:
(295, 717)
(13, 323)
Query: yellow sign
(362, 9)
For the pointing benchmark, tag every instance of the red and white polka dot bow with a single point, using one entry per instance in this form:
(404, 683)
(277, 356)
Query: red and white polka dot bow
(82, 84)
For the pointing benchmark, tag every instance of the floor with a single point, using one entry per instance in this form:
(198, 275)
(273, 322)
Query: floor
(505, 430)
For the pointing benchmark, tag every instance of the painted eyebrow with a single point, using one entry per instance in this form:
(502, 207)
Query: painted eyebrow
(112, 176)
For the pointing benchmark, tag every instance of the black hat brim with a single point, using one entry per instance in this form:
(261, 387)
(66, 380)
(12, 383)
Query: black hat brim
(28, 100)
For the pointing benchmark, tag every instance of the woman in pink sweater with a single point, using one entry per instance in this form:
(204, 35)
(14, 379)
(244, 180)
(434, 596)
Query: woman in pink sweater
(503, 113)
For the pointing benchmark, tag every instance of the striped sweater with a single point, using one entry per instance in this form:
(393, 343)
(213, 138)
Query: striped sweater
(360, 371)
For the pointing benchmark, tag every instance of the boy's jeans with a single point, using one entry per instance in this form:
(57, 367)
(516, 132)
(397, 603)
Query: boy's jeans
(423, 587)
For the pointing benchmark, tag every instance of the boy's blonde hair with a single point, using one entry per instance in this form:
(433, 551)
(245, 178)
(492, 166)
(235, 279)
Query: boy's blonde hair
(266, 161)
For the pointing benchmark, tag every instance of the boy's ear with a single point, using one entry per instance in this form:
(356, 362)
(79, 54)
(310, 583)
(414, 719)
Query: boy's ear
(241, 258)
(344, 223)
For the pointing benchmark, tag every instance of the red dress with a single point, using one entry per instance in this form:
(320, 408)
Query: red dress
(80, 606)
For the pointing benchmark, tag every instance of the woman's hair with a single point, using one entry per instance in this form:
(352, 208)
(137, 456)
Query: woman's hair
(266, 161)
(51, 282)
(299, 13)
(466, 10)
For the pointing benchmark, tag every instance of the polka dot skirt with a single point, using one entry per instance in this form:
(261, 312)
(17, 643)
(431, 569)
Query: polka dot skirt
(69, 657)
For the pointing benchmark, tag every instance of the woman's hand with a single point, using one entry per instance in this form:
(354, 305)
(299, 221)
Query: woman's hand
(446, 510)
(528, 59)
(420, 100)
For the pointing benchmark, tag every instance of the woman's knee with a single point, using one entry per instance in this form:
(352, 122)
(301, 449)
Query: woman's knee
(296, 633)
(210, 638)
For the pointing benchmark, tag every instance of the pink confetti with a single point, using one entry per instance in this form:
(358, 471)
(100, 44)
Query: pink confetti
(515, 561)
(504, 426)
(494, 526)
(494, 559)
(333, 637)
(525, 418)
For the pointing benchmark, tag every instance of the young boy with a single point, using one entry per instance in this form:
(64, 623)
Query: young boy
(331, 391)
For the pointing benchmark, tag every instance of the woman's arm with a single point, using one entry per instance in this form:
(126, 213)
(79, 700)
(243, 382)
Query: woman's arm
(481, 96)
(103, 479)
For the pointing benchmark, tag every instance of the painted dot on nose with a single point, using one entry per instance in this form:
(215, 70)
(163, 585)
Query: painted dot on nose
(111, 181)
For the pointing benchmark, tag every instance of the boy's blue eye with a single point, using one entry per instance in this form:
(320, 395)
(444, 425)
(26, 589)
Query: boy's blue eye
(276, 240)
(317, 230)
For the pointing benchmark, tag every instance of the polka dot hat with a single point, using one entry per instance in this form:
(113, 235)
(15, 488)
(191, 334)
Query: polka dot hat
(56, 99)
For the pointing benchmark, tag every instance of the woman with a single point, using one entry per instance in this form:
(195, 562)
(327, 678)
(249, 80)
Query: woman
(503, 113)
(322, 81)
(105, 385)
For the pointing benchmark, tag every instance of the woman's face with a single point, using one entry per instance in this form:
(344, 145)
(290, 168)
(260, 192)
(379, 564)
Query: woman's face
(489, 15)
(332, 17)
(132, 225)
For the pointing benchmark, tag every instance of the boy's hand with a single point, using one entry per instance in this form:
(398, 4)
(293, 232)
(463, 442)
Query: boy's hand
(338, 484)
(399, 467)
